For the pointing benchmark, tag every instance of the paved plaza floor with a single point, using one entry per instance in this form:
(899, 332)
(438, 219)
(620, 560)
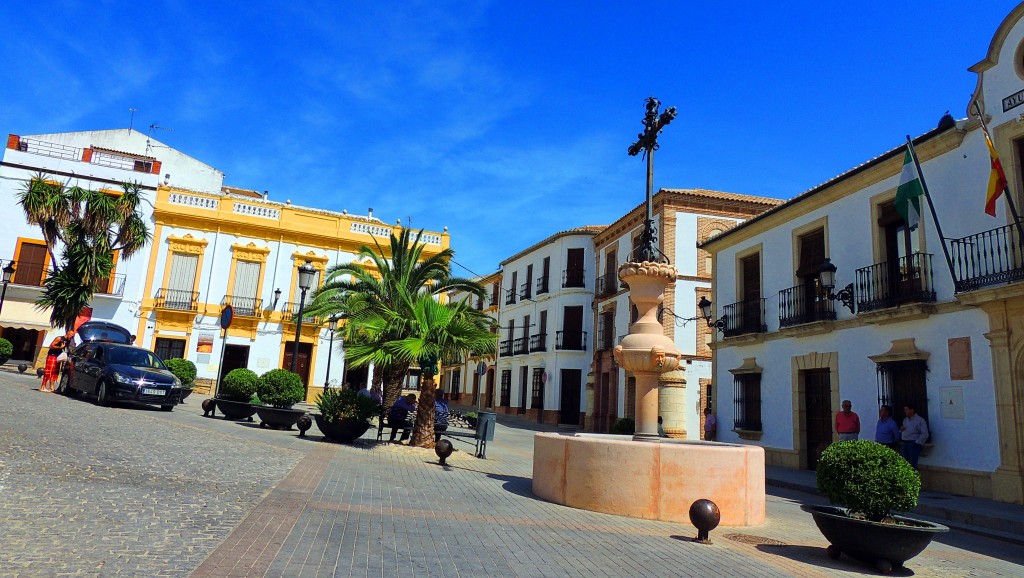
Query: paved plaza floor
(126, 491)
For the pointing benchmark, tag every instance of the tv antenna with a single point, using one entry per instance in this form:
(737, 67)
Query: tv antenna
(152, 128)
(131, 122)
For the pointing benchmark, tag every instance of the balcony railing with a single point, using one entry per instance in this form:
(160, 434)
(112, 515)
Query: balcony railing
(573, 278)
(521, 346)
(505, 348)
(571, 340)
(177, 299)
(803, 304)
(744, 317)
(538, 342)
(290, 314)
(605, 338)
(606, 285)
(542, 285)
(113, 285)
(891, 283)
(510, 297)
(55, 150)
(244, 306)
(988, 258)
(525, 290)
(30, 273)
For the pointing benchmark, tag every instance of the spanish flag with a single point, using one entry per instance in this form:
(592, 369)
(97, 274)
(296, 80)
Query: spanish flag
(996, 179)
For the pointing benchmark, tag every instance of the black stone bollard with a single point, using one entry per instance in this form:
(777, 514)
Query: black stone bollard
(22, 367)
(705, 516)
(443, 449)
(208, 406)
(304, 424)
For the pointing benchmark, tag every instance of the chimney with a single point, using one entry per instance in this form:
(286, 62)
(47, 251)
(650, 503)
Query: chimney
(266, 195)
(370, 212)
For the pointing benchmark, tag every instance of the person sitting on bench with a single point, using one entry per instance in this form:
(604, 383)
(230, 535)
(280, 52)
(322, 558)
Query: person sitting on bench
(398, 417)
(440, 415)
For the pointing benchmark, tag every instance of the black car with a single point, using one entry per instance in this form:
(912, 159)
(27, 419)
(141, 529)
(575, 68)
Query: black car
(104, 331)
(117, 372)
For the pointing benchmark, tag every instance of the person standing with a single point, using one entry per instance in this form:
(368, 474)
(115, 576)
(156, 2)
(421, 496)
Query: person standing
(847, 423)
(887, 432)
(914, 433)
(710, 425)
(51, 372)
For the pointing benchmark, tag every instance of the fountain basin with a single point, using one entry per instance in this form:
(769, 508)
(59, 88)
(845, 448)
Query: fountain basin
(656, 480)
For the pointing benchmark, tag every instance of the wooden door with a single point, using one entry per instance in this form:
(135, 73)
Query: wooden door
(31, 264)
(302, 363)
(817, 413)
(750, 309)
(235, 356)
(569, 384)
(574, 268)
(572, 328)
(524, 373)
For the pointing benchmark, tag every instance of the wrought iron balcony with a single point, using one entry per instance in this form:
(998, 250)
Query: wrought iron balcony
(30, 273)
(113, 286)
(505, 348)
(526, 290)
(290, 314)
(177, 300)
(804, 304)
(606, 285)
(988, 258)
(542, 285)
(605, 337)
(891, 283)
(744, 317)
(571, 340)
(538, 342)
(574, 278)
(521, 346)
(510, 297)
(244, 306)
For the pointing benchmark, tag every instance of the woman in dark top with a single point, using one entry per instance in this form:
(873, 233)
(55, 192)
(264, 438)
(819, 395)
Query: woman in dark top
(52, 372)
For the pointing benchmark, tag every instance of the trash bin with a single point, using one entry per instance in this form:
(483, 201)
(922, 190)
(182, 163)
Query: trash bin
(485, 421)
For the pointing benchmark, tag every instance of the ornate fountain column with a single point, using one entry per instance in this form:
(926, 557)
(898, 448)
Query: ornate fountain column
(646, 351)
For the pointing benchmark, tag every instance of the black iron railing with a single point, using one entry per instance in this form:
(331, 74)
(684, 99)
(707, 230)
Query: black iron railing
(744, 317)
(606, 285)
(290, 314)
(505, 348)
(804, 304)
(526, 290)
(245, 306)
(114, 285)
(510, 296)
(988, 258)
(177, 299)
(520, 346)
(573, 278)
(891, 283)
(605, 337)
(571, 340)
(31, 273)
(542, 285)
(538, 342)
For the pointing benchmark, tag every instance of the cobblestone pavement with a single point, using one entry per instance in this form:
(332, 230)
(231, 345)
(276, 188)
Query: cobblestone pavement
(239, 501)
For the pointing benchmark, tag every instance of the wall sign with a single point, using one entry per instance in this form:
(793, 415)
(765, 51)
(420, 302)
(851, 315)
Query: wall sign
(1013, 101)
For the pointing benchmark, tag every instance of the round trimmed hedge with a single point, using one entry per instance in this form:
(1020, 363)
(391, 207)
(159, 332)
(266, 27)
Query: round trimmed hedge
(6, 349)
(868, 478)
(183, 369)
(280, 388)
(239, 385)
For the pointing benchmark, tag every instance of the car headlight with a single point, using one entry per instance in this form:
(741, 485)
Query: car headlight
(177, 382)
(122, 378)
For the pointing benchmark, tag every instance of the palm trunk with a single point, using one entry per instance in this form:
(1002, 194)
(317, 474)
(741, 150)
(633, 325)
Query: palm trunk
(423, 433)
(392, 383)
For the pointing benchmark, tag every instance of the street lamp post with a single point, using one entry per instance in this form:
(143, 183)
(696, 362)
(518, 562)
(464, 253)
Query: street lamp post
(306, 273)
(332, 324)
(8, 273)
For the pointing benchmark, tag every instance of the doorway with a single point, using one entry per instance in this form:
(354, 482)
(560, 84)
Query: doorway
(25, 343)
(357, 377)
(235, 356)
(302, 363)
(817, 413)
(490, 388)
(524, 372)
(569, 384)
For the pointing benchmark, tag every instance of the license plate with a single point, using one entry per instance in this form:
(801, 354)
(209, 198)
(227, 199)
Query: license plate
(148, 391)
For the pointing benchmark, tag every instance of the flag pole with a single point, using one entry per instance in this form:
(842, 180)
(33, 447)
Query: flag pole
(1006, 188)
(931, 207)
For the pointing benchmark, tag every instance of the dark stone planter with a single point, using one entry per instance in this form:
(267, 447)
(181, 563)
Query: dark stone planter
(884, 545)
(471, 421)
(278, 417)
(343, 431)
(184, 393)
(235, 410)
(3, 360)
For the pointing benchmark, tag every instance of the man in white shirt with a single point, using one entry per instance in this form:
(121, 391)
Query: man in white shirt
(914, 433)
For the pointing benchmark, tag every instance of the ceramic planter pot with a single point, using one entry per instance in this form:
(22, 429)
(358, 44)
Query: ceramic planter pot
(278, 417)
(342, 430)
(235, 410)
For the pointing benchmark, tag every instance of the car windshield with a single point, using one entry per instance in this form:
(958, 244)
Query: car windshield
(134, 358)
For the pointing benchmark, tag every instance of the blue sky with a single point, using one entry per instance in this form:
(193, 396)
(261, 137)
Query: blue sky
(504, 121)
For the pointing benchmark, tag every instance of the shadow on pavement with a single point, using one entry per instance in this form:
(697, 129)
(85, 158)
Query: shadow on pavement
(816, 555)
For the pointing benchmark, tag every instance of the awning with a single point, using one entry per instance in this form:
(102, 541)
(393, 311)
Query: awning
(24, 315)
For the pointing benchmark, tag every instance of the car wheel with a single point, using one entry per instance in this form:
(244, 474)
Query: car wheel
(62, 385)
(101, 395)
(167, 407)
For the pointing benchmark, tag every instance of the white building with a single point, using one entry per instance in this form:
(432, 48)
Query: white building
(463, 381)
(948, 338)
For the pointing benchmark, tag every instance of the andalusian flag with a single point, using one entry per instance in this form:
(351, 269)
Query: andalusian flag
(996, 179)
(910, 191)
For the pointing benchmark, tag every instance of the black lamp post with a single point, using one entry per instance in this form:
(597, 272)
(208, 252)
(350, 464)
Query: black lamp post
(8, 273)
(332, 324)
(705, 311)
(306, 273)
(827, 281)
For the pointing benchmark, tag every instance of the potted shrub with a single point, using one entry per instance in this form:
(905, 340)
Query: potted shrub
(344, 414)
(624, 426)
(869, 482)
(185, 371)
(6, 350)
(471, 418)
(279, 390)
(236, 390)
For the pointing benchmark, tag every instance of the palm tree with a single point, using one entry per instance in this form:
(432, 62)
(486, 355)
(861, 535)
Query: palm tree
(89, 226)
(423, 331)
(389, 287)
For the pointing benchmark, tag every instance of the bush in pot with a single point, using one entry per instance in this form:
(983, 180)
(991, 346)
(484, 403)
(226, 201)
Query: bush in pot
(624, 426)
(184, 370)
(345, 404)
(6, 350)
(239, 385)
(868, 479)
(280, 388)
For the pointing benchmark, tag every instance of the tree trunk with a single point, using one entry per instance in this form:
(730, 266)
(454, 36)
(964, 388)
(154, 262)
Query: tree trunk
(423, 433)
(392, 382)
